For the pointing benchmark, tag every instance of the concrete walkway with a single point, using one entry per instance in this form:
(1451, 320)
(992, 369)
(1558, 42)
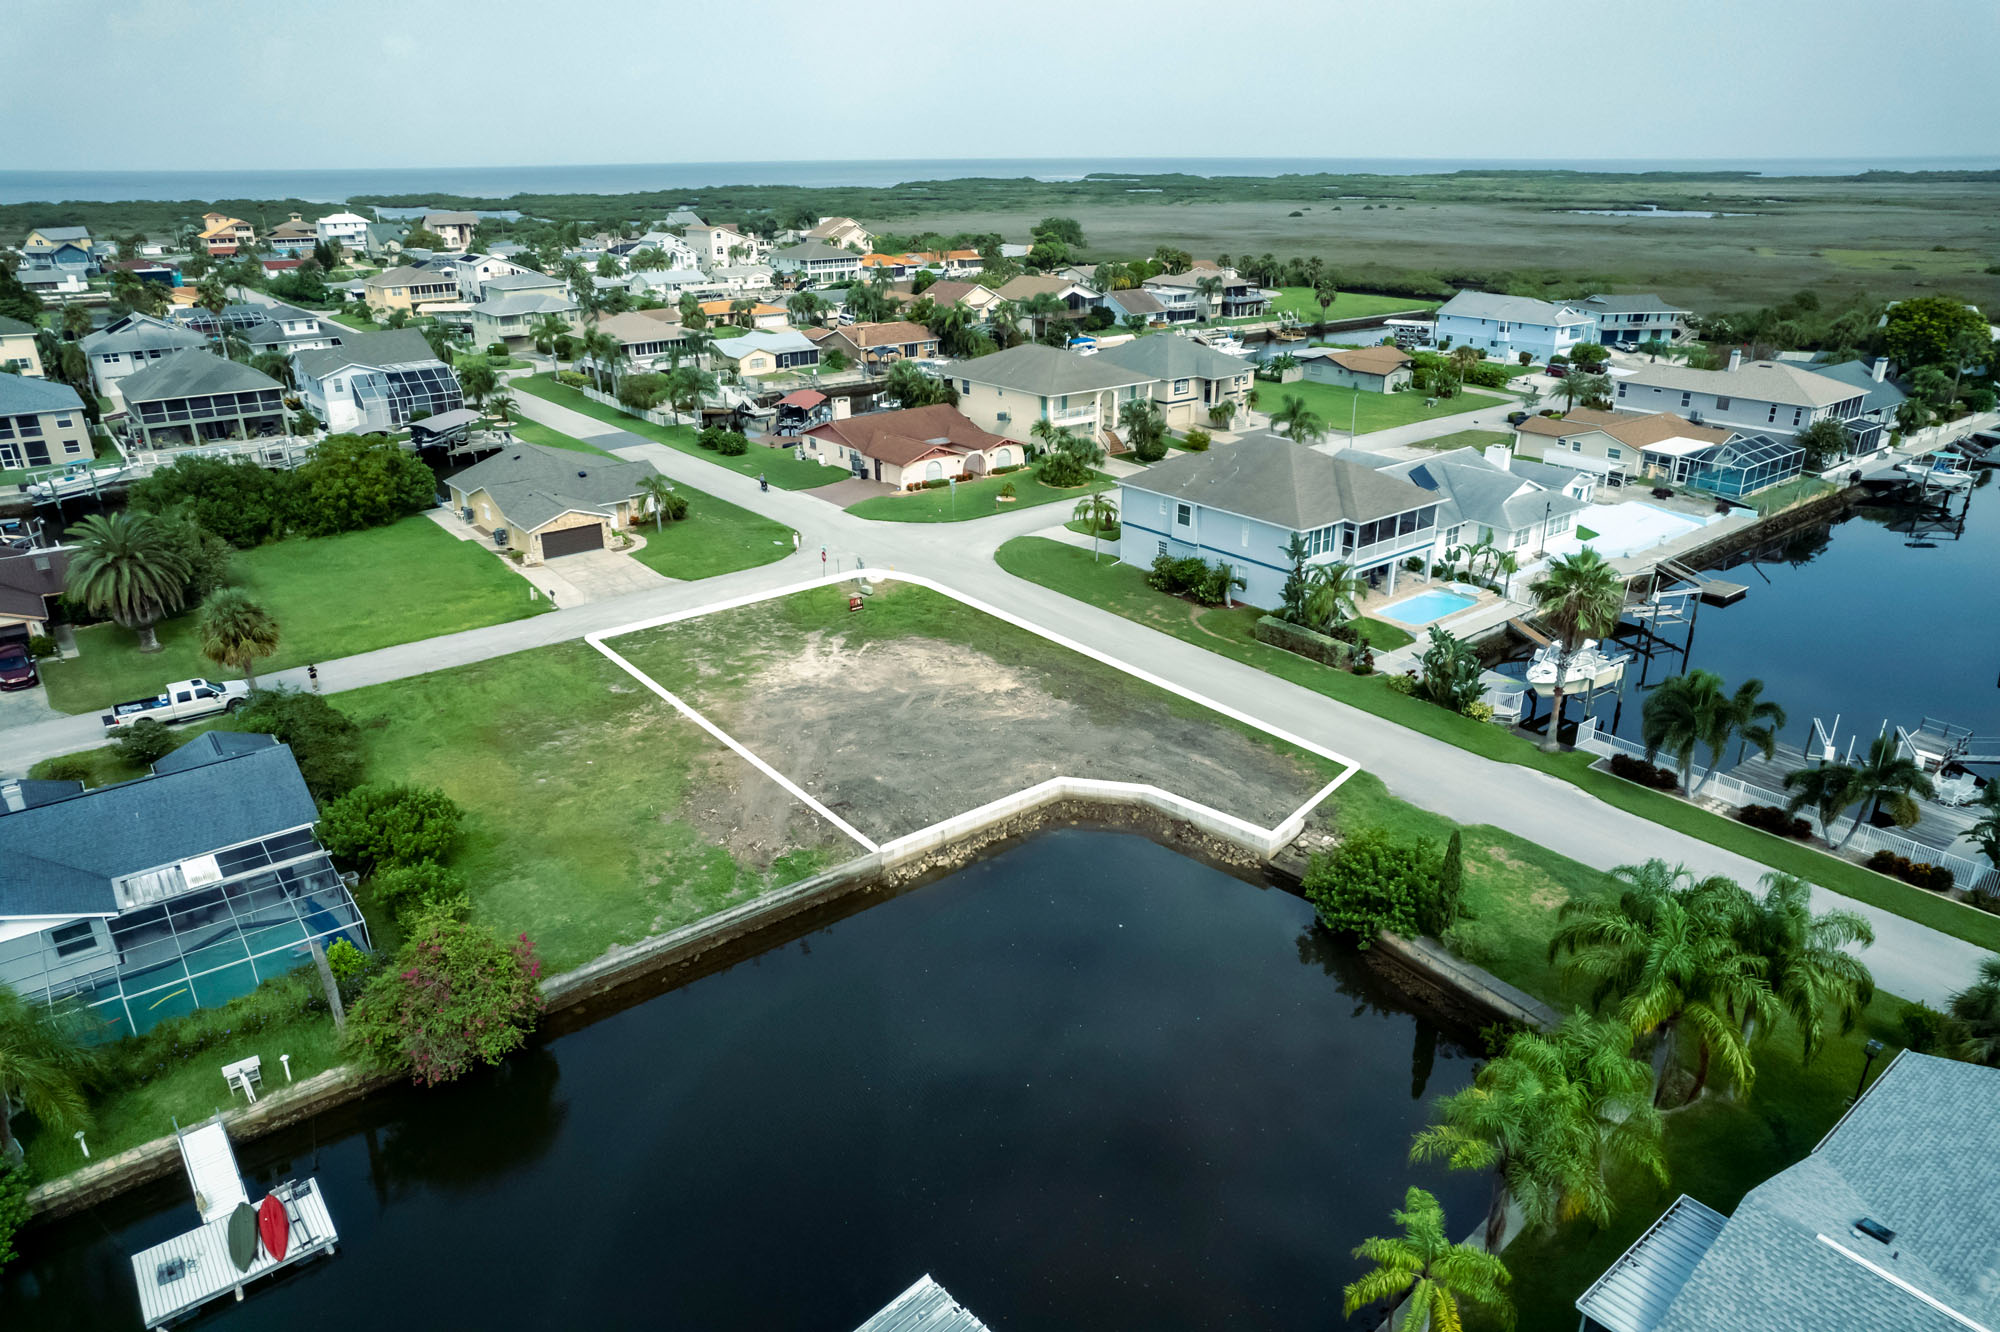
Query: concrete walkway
(1908, 959)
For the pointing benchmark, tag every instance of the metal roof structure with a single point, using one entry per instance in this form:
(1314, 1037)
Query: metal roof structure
(924, 1307)
(1165, 356)
(1633, 1294)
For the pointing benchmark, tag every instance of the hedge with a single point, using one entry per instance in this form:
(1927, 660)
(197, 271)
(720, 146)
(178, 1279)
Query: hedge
(1305, 642)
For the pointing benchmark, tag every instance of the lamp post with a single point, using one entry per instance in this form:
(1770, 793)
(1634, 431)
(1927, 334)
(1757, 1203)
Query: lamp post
(1868, 1054)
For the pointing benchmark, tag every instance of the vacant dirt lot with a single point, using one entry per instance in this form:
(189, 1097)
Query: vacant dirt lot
(919, 709)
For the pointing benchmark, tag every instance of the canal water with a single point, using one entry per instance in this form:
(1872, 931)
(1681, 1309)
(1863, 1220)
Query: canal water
(1088, 1083)
(1864, 618)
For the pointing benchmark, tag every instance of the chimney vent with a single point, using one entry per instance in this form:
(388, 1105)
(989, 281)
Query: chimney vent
(1880, 369)
(1735, 359)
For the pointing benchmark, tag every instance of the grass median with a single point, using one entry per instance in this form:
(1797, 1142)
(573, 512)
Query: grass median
(973, 499)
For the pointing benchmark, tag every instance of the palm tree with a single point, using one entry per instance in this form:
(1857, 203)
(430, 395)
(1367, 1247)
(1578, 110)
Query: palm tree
(1985, 832)
(477, 378)
(742, 311)
(1435, 1273)
(1042, 307)
(212, 295)
(1333, 594)
(598, 346)
(1755, 719)
(1281, 362)
(1829, 788)
(805, 308)
(1550, 1117)
(687, 386)
(1299, 421)
(276, 366)
(1807, 962)
(1579, 596)
(1683, 712)
(1888, 774)
(1975, 1013)
(42, 1069)
(660, 493)
(235, 631)
(501, 403)
(1208, 288)
(1577, 384)
(127, 567)
(1097, 512)
(1667, 949)
(550, 329)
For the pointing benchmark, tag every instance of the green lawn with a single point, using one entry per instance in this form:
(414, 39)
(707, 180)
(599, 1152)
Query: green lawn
(1122, 590)
(332, 597)
(976, 499)
(1350, 305)
(777, 465)
(356, 319)
(1369, 411)
(534, 432)
(1792, 492)
(1465, 439)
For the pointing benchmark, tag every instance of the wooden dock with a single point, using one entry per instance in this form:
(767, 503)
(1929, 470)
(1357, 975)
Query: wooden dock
(1941, 828)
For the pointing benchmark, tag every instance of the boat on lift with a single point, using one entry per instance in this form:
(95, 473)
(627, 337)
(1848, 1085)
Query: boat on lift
(1222, 340)
(1590, 668)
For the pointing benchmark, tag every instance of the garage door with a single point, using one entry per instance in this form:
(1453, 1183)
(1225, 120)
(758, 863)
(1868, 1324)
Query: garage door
(571, 540)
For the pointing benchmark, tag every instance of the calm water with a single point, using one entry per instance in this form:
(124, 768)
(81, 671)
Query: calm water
(1087, 1084)
(498, 182)
(1864, 619)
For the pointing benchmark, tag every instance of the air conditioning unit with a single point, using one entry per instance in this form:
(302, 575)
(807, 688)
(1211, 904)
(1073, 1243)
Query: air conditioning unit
(1003, 416)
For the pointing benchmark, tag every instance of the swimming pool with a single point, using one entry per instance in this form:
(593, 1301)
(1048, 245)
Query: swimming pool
(1425, 607)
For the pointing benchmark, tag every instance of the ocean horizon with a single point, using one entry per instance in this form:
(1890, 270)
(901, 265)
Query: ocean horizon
(333, 186)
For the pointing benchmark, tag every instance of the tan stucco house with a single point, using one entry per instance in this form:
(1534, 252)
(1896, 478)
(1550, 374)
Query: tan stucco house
(41, 423)
(1616, 445)
(407, 288)
(551, 502)
(1006, 392)
(1370, 369)
(1188, 379)
(907, 448)
(18, 352)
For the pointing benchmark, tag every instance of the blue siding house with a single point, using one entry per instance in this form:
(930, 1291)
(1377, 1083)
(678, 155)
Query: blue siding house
(1505, 326)
(1243, 503)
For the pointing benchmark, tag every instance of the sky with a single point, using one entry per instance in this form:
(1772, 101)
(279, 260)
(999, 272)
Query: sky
(94, 85)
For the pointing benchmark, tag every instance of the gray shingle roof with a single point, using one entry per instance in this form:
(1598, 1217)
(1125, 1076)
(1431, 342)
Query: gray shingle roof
(190, 373)
(213, 747)
(21, 395)
(538, 301)
(14, 327)
(140, 333)
(1512, 309)
(1759, 381)
(54, 235)
(61, 858)
(533, 483)
(1166, 356)
(1637, 302)
(1882, 397)
(394, 346)
(1277, 481)
(522, 282)
(815, 249)
(1033, 368)
(1476, 491)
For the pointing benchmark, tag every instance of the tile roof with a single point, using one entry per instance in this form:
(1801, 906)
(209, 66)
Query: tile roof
(22, 395)
(535, 483)
(1169, 356)
(885, 334)
(1276, 481)
(1512, 309)
(394, 346)
(1033, 368)
(1758, 381)
(902, 437)
(189, 373)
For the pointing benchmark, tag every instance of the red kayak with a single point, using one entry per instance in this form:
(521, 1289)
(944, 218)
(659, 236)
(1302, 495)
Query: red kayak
(274, 1227)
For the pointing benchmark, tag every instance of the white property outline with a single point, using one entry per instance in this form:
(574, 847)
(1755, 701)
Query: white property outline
(1269, 839)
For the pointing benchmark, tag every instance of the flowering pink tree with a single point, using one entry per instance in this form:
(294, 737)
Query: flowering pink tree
(457, 995)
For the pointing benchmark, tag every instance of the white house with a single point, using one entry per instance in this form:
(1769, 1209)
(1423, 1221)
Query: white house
(1188, 379)
(722, 244)
(842, 231)
(130, 344)
(1482, 496)
(376, 382)
(350, 229)
(1505, 326)
(1757, 397)
(816, 262)
(1628, 319)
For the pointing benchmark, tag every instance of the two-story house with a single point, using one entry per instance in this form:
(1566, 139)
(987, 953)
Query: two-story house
(453, 228)
(130, 343)
(1006, 392)
(183, 889)
(409, 288)
(650, 339)
(1242, 505)
(41, 423)
(1188, 379)
(376, 382)
(349, 229)
(1185, 300)
(293, 237)
(197, 397)
(1756, 397)
(1629, 318)
(510, 307)
(19, 353)
(1481, 496)
(722, 244)
(42, 241)
(1505, 326)
(1077, 299)
(223, 235)
(842, 231)
(285, 329)
(816, 263)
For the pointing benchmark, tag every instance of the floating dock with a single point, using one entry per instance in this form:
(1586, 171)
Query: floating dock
(191, 1270)
(924, 1307)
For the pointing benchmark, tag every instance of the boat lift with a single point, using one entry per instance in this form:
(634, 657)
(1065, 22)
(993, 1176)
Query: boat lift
(191, 1270)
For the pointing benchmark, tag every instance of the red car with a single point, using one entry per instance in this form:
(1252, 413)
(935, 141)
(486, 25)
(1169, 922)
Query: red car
(17, 668)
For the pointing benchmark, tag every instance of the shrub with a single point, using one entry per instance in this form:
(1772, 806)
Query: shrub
(1007, 490)
(1296, 638)
(1440, 904)
(352, 483)
(345, 961)
(732, 444)
(41, 645)
(456, 996)
(1644, 773)
(1370, 883)
(68, 768)
(375, 827)
(1405, 684)
(1527, 358)
(1774, 820)
(324, 741)
(1916, 873)
(1062, 469)
(573, 379)
(236, 499)
(710, 436)
(1462, 941)
(168, 1046)
(642, 392)
(938, 484)
(145, 742)
(13, 1208)
(497, 350)
(423, 884)
(1196, 441)
(1924, 1029)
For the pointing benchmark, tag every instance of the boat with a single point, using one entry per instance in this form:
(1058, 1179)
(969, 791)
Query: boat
(274, 1227)
(243, 1236)
(75, 481)
(1222, 340)
(1590, 667)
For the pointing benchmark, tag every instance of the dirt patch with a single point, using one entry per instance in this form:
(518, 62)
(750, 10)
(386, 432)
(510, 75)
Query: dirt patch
(756, 820)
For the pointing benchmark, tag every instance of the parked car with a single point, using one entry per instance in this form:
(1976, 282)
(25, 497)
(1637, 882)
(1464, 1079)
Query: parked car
(183, 701)
(17, 667)
(1557, 371)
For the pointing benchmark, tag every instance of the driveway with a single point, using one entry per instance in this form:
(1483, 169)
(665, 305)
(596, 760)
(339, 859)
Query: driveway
(846, 494)
(25, 707)
(592, 575)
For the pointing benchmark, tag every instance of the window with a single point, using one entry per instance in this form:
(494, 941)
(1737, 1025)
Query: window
(1246, 536)
(1621, 388)
(1180, 387)
(73, 938)
(1614, 454)
(1686, 398)
(62, 423)
(1797, 413)
(1184, 515)
(1721, 403)
(1773, 413)
(1576, 446)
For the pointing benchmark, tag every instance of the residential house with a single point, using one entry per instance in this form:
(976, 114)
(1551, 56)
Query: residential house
(509, 314)
(197, 397)
(61, 283)
(293, 237)
(816, 263)
(740, 279)
(721, 244)
(349, 229)
(1505, 326)
(1006, 392)
(408, 288)
(130, 343)
(19, 353)
(1887, 1225)
(382, 240)
(650, 339)
(1243, 504)
(679, 220)
(1617, 446)
(1370, 369)
(908, 448)
(550, 502)
(1188, 379)
(1077, 299)
(376, 382)
(474, 272)
(145, 899)
(30, 582)
(1184, 299)
(286, 329)
(68, 257)
(223, 235)
(679, 253)
(1481, 496)
(1762, 397)
(44, 240)
(1135, 303)
(770, 317)
(1628, 319)
(454, 229)
(802, 409)
(842, 231)
(1882, 394)
(977, 300)
(752, 354)
(41, 423)
(668, 284)
(952, 263)
(876, 345)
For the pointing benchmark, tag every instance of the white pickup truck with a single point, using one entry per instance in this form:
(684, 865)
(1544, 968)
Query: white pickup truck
(183, 701)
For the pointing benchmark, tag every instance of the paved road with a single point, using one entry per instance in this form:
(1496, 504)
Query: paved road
(1908, 959)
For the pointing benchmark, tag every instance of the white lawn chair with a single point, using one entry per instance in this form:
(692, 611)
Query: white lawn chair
(1960, 790)
(246, 1075)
